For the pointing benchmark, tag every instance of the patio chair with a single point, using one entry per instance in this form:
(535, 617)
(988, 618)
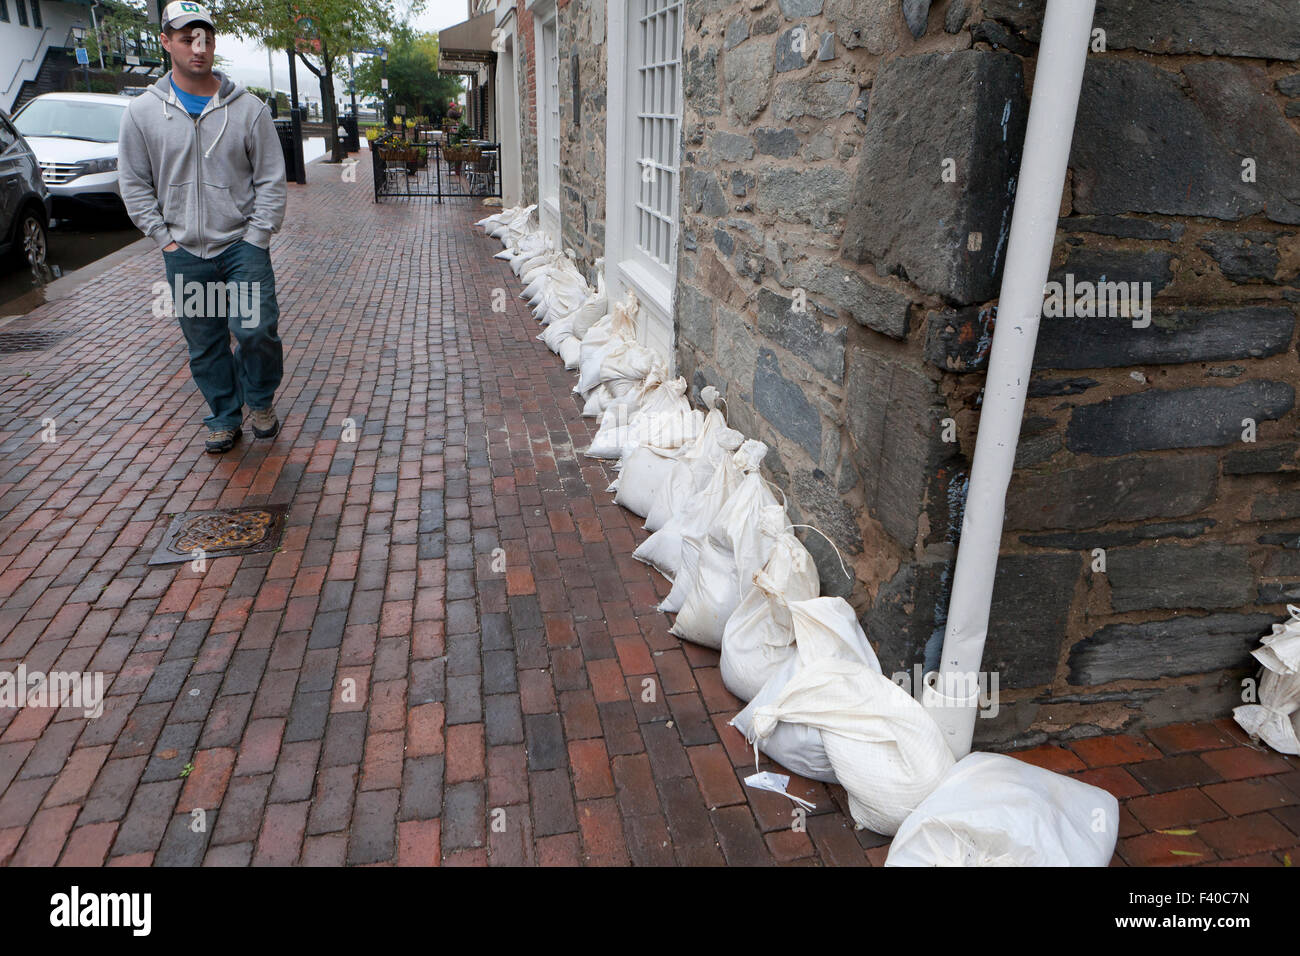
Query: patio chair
(481, 173)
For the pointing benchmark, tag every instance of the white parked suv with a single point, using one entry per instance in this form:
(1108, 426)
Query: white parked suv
(74, 137)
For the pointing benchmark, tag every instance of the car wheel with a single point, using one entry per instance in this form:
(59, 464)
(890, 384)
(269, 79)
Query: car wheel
(32, 243)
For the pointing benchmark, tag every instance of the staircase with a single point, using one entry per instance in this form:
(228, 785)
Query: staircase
(52, 77)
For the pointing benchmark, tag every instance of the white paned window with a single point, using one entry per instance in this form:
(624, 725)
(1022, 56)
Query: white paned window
(643, 160)
(548, 123)
(656, 53)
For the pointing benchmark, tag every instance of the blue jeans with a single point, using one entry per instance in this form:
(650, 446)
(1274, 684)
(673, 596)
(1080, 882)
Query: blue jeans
(232, 293)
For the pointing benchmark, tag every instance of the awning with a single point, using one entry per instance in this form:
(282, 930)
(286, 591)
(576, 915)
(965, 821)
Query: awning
(462, 48)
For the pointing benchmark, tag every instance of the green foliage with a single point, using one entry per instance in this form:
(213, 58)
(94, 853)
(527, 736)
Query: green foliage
(124, 28)
(413, 78)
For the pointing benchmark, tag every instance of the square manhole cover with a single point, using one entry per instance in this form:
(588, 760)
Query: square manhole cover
(29, 341)
(221, 533)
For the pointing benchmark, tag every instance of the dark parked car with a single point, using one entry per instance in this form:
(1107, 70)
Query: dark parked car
(24, 200)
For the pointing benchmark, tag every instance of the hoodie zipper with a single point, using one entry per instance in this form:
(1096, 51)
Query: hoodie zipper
(198, 183)
(198, 166)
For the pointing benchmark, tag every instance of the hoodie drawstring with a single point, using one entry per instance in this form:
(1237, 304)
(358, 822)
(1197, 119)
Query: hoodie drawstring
(225, 118)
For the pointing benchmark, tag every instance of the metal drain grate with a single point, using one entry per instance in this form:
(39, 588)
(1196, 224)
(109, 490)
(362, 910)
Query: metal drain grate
(29, 341)
(221, 533)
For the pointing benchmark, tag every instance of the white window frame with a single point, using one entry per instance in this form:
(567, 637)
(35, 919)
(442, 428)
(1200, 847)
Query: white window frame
(546, 79)
(506, 45)
(626, 265)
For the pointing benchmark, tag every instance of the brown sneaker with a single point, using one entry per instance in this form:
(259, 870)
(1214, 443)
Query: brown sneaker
(265, 424)
(221, 440)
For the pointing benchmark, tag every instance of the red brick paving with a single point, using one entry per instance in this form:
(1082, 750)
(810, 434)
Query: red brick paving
(378, 692)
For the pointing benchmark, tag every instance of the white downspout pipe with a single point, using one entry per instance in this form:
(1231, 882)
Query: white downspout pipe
(1057, 82)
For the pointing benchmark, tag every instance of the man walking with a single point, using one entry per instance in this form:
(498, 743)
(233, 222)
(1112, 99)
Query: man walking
(202, 174)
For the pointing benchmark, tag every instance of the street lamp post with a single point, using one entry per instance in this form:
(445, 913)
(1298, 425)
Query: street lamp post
(383, 83)
(79, 36)
(352, 77)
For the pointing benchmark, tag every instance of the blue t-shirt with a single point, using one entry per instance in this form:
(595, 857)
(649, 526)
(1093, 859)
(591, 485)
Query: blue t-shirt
(193, 104)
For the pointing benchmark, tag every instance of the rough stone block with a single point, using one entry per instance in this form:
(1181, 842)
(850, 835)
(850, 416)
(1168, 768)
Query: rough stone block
(1175, 418)
(948, 238)
(783, 403)
(893, 414)
(874, 306)
(1130, 489)
(1032, 595)
(1258, 28)
(1143, 144)
(871, 25)
(802, 333)
(781, 143)
(817, 196)
(747, 72)
(818, 95)
(1167, 648)
(1173, 577)
(1243, 256)
(1190, 335)
(731, 148)
(695, 317)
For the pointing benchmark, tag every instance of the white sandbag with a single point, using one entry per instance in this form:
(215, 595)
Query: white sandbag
(618, 414)
(663, 549)
(627, 361)
(664, 425)
(737, 545)
(651, 397)
(693, 464)
(759, 636)
(619, 326)
(886, 751)
(995, 810)
(824, 629)
(1276, 718)
(796, 747)
(535, 258)
(570, 350)
(555, 333)
(597, 400)
(645, 469)
(591, 312)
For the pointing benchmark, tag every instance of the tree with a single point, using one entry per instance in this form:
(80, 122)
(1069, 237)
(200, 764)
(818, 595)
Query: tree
(124, 28)
(413, 77)
(319, 31)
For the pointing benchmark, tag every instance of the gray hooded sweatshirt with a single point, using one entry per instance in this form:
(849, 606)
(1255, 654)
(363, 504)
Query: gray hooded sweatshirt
(202, 183)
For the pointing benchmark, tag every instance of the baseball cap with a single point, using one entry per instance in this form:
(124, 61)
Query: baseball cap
(180, 13)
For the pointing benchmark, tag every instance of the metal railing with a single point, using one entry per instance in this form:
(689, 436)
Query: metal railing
(404, 170)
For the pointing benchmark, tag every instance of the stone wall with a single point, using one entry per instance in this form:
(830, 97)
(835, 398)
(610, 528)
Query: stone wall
(848, 179)
(582, 124)
(581, 30)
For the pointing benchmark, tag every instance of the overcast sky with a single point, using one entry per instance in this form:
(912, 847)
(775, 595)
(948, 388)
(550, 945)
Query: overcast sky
(246, 61)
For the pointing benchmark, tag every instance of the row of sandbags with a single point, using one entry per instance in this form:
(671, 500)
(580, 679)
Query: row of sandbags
(742, 582)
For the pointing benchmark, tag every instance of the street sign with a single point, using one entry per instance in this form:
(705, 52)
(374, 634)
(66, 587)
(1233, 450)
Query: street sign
(383, 84)
(83, 56)
(372, 50)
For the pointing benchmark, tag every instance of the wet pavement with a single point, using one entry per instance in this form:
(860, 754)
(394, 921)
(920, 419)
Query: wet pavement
(73, 244)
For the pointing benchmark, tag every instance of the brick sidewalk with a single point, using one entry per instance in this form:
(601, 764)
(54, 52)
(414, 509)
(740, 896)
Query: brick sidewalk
(540, 715)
